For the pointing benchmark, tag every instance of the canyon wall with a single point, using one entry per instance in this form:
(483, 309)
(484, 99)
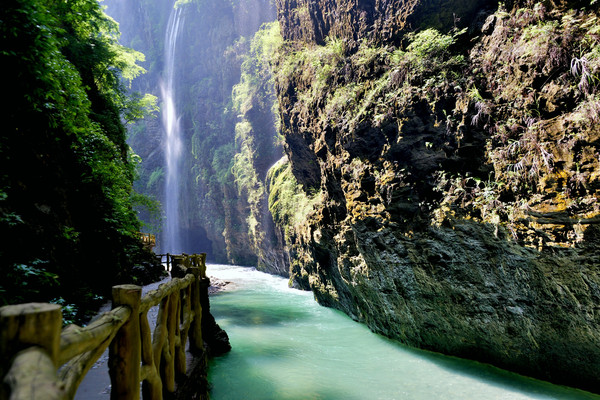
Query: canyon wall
(228, 143)
(450, 153)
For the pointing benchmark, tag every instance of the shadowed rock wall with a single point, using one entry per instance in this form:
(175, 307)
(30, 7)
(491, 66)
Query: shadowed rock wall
(380, 20)
(458, 173)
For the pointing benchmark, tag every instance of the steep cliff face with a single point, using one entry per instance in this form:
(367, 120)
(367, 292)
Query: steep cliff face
(258, 146)
(213, 44)
(379, 20)
(454, 173)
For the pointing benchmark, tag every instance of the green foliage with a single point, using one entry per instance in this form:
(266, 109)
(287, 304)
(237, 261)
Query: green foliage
(126, 60)
(367, 55)
(27, 282)
(139, 107)
(69, 310)
(384, 75)
(428, 57)
(246, 177)
(256, 132)
(151, 207)
(156, 175)
(265, 44)
(427, 44)
(343, 98)
(586, 65)
(256, 82)
(66, 199)
(312, 67)
(527, 158)
(288, 203)
(222, 163)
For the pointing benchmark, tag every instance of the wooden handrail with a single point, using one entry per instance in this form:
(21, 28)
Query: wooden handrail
(148, 239)
(154, 297)
(29, 347)
(193, 260)
(75, 340)
(31, 333)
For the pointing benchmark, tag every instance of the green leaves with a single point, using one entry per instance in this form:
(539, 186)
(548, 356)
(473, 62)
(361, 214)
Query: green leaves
(428, 54)
(288, 203)
(66, 193)
(137, 107)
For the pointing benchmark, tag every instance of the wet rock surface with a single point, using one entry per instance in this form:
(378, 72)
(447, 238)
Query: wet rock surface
(217, 285)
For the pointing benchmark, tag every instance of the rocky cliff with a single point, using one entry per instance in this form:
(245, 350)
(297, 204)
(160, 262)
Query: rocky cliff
(450, 152)
(228, 142)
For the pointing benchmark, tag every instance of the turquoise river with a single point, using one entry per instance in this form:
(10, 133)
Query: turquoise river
(287, 347)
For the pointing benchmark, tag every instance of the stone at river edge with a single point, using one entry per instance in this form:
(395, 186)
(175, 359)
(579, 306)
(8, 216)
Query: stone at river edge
(459, 189)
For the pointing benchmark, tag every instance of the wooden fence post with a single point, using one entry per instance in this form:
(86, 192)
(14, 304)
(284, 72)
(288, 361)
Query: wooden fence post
(125, 349)
(196, 341)
(29, 348)
(177, 266)
(202, 265)
(168, 363)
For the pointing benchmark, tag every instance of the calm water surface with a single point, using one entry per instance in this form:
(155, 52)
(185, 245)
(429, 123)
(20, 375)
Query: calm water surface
(286, 346)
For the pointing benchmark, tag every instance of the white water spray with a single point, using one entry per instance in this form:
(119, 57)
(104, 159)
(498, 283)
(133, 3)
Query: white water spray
(171, 234)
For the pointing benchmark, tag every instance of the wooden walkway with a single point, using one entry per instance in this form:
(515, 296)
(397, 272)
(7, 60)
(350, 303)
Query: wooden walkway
(41, 361)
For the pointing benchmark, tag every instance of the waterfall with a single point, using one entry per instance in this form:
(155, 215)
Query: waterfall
(171, 233)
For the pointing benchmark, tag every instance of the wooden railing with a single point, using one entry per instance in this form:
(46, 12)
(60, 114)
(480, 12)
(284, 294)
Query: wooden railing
(148, 239)
(183, 260)
(39, 361)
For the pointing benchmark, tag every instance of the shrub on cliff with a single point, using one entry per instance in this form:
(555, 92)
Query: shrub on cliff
(288, 203)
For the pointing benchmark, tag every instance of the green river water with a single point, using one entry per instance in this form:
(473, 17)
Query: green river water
(286, 346)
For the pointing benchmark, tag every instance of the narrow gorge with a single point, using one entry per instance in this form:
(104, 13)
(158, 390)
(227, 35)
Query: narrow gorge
(431, 168)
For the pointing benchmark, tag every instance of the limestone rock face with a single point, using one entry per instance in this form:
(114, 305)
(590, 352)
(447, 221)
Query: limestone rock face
(458, 175)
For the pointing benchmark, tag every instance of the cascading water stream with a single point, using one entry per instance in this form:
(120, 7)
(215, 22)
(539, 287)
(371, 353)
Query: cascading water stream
(171, 234)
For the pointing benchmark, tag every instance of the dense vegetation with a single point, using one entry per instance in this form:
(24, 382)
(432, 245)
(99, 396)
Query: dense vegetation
(68, 227)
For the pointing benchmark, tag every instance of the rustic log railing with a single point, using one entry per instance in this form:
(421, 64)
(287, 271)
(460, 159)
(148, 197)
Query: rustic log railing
(185, 260)
(41, 362)
(148, 239)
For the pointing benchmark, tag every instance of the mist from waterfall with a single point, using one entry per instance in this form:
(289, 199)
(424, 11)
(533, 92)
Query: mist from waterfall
(171, 242)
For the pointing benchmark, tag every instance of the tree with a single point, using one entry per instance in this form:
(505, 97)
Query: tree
(66, 171)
